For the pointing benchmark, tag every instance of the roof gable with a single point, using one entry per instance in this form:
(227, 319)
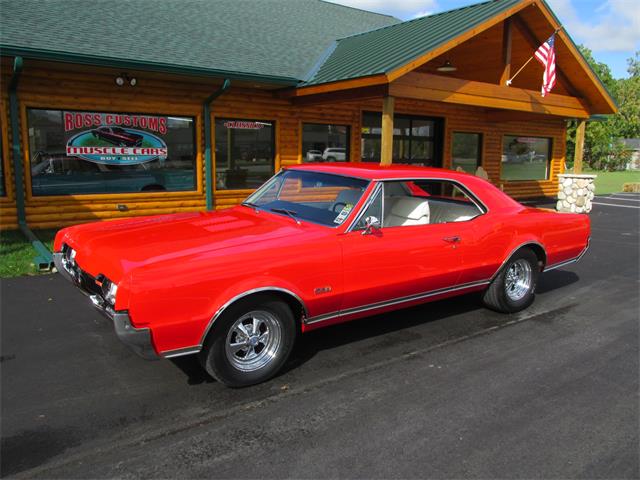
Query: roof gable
(382, 50)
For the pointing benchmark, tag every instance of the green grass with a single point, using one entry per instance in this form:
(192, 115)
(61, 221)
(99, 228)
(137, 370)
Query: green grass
(17, 253)
(611, 182)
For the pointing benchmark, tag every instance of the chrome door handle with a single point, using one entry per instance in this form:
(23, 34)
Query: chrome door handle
(454, 239)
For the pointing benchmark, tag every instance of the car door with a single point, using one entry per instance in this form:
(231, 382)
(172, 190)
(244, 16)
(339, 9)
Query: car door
(400, 260)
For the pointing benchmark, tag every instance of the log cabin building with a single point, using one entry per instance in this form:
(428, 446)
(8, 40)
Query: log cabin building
(112, 109)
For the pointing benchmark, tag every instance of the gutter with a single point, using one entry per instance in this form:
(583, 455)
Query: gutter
(44, 260)
(208, 167)
(103, 61)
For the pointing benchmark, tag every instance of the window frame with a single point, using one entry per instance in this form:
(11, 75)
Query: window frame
(480, 156)
(194, 113)
(324, 123)
(275, 135)
(548, 163)
(380, 185)
(438, 134)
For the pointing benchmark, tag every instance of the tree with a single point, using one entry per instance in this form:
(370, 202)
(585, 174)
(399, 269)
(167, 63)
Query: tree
(603, 149)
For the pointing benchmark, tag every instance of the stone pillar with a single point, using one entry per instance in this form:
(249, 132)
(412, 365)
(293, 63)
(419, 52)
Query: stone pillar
(575, 192)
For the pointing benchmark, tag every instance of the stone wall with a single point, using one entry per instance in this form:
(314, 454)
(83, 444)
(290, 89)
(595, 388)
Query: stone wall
(575, 192)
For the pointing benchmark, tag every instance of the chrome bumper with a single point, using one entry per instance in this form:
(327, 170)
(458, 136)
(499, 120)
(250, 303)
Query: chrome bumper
(138, 339)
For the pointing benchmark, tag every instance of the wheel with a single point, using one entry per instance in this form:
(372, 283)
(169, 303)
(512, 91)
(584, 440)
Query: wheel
(513, 289)
(250, 342)
(331, 159)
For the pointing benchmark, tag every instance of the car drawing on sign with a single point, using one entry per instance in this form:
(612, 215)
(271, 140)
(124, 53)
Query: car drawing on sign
(334, 154)
(316, 245)
(118, 136)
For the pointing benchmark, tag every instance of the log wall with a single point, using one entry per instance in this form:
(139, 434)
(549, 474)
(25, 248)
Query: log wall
(75, 87)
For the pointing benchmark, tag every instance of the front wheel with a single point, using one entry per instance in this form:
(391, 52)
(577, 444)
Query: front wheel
(513, 289)
(250, 342)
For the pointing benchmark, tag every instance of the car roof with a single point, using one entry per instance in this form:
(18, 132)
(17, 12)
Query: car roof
(375, 171)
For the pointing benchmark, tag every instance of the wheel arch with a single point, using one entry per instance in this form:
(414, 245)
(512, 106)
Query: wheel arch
(533, 245)
(293, 300)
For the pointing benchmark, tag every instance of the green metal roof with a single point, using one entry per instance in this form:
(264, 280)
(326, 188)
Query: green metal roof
(269, 40)
(384, 49)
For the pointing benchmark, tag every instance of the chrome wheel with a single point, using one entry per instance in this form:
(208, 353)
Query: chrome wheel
(518, 280)
(253, 340)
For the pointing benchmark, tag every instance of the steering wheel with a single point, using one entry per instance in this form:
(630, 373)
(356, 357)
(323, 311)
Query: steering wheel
(336, 204)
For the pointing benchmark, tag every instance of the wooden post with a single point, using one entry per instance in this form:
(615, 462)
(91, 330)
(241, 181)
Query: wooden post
(506, 51)
(386, 147)
(577, 158)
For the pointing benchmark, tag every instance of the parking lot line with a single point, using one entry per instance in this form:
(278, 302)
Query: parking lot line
(622, 199)
(616, 205)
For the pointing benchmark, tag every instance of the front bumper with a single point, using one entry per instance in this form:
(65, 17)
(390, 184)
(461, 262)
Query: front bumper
(138, 339)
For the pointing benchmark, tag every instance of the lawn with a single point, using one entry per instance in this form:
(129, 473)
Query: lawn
(17, 253)
(611, 182)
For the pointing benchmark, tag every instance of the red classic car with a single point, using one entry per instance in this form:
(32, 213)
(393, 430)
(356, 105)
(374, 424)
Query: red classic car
(314, 246)
(118, 136)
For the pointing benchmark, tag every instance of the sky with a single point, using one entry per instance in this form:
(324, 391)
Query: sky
(610, 28)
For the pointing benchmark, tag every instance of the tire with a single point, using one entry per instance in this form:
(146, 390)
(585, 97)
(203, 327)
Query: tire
(331, 159)
(226, 361)
(513, 289)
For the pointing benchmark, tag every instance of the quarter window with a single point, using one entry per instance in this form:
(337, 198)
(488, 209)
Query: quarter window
(103, 152)
(525, 158)
(325, 143)
(466, 151)
(245, 153)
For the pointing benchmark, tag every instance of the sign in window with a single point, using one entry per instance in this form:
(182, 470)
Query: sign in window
(74, 152)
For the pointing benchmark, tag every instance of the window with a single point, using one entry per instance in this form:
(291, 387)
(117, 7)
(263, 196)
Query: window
(525, 158)
(97, 152)
(245, 153)
(3, 191)
(466, 151)
(325, 143)
(316, 197)
(421, 202)
(416, 140)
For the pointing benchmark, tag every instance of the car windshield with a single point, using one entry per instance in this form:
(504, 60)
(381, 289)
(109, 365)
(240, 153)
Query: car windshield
(315, 197)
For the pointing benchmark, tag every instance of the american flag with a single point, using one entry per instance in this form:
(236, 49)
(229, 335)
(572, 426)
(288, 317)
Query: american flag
(546, 55)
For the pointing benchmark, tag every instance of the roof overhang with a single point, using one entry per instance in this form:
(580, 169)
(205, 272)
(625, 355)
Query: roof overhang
(102, 61)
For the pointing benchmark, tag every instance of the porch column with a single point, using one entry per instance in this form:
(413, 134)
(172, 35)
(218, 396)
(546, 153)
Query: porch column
(386, 147)
(506, 51)
(577, 158)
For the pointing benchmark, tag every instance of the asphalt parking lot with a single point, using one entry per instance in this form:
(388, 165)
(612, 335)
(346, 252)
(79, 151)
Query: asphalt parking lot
(444, 390)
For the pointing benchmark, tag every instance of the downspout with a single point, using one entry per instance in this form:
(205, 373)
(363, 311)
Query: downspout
(208, 167)
(44, 260)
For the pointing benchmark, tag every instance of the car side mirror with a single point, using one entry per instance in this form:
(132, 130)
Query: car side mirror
(371, 225)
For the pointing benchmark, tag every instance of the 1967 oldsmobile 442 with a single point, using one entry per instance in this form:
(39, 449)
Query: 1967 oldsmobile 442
(314, 246)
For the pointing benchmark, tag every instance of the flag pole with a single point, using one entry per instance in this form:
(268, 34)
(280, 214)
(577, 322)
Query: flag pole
(510, 81)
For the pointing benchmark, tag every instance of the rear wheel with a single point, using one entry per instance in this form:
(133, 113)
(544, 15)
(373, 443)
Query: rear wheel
(513, 289)
(250, 342)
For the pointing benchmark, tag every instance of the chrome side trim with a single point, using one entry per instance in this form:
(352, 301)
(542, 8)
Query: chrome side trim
(245, 294)
(394, 301)
(571, 260)
(530, 242)
(179, 352)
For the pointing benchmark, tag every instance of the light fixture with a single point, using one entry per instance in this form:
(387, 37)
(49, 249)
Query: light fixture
(447, 66)
(124, 77)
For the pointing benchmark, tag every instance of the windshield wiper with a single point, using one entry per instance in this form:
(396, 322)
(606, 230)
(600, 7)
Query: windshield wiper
(291, 213)
(252, 205)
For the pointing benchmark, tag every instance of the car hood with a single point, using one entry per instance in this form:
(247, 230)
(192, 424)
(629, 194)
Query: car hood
(113, 248)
